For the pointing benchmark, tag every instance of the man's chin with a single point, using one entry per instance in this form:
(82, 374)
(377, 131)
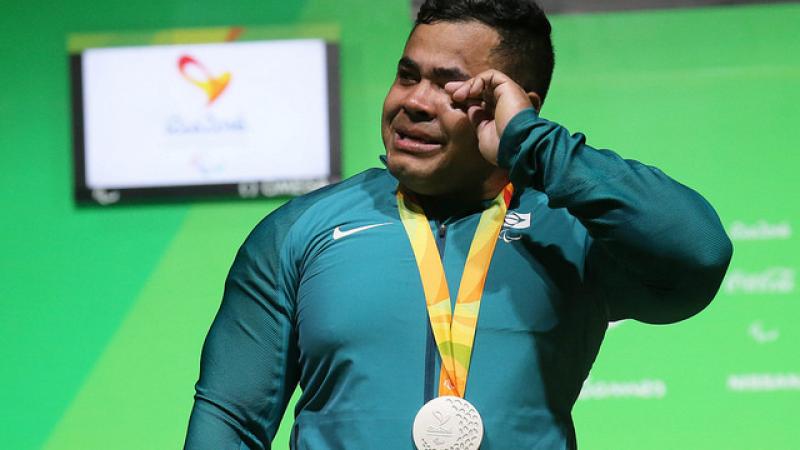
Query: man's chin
(416, 179)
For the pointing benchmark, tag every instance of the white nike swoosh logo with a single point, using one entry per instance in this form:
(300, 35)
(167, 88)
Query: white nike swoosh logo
(338, 233)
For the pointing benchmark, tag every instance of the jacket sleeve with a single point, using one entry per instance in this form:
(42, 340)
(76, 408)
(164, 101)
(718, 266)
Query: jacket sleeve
(248, 367)
(657, 251)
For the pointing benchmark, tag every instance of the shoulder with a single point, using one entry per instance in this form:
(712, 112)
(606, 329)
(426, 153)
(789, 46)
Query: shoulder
(318, 207)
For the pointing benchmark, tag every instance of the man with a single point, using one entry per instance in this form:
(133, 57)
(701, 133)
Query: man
(342, 291)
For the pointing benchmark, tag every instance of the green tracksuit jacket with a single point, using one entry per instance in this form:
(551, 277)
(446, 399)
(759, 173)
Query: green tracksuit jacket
(325, 294)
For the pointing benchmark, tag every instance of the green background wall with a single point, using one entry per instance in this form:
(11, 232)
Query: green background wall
(103, 311)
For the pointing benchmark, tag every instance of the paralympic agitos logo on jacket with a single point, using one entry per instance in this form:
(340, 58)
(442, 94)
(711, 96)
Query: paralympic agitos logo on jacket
(514, 221)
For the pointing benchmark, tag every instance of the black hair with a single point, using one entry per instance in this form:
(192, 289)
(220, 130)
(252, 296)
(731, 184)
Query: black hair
(525, 44)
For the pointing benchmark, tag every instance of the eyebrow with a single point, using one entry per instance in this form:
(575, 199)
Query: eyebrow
(439, 73)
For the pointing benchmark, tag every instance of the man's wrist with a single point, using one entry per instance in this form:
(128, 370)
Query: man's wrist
(513, 135)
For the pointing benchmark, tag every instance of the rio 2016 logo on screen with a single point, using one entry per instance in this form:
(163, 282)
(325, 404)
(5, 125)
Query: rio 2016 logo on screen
(213, 86)
(222, 117)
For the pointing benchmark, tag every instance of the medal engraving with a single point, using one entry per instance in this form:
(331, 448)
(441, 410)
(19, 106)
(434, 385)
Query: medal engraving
(448, 423)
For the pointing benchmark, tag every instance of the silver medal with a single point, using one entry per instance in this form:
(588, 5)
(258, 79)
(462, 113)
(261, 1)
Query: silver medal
(448, 423)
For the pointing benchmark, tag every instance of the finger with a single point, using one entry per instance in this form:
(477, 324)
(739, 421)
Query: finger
(487, 86)
(465, 104)
(462, 93)
(491, 81)
(451, 86)
(478, 114)
(477, 87)
(493, 78)
(459, 100)
(490, 94)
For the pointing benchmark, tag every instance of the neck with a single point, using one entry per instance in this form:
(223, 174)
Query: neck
(441, 206)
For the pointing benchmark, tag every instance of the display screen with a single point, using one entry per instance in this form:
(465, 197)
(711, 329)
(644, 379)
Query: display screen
(241, 119)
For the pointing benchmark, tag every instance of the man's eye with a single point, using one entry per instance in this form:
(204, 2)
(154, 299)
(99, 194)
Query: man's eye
(406, 77)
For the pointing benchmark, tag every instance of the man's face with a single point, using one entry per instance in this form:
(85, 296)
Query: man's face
(431, 146)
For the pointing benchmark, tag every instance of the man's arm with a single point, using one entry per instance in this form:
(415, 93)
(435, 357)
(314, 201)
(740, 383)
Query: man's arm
(658, 251)
(248, 368)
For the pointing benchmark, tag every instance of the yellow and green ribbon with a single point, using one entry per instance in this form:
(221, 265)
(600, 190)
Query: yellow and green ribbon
(454, 335)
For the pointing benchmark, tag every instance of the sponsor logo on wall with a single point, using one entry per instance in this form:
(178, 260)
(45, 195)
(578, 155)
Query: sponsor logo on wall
(775, 280)
(760, 230)
(762, 334)
(772, 280)
(764, 382)
(646, 389)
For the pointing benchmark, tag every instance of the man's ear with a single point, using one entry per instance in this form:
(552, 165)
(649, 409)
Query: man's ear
(536, 100)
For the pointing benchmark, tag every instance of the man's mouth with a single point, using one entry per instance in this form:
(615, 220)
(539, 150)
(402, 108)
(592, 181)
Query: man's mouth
(415, 142)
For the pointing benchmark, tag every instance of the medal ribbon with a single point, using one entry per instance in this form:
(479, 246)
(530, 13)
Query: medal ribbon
(454, 335)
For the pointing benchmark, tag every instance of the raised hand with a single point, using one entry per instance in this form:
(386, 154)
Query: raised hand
(490, 99)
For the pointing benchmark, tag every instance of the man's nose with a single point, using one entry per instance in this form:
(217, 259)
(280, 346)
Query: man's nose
(419, 105)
